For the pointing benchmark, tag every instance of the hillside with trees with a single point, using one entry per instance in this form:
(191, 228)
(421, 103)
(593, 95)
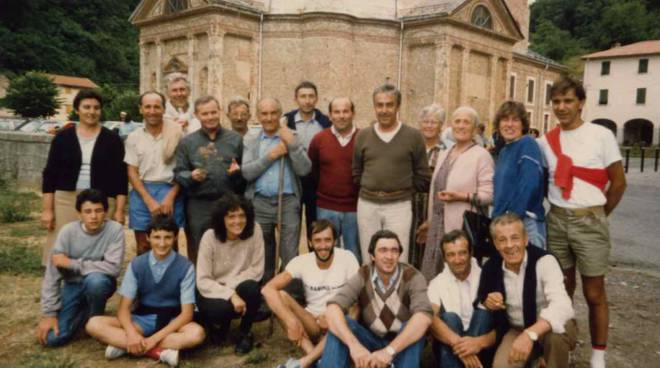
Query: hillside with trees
(566, 29)
(91, 38)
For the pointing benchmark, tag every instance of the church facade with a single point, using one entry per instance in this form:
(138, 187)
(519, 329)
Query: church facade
(452, 52)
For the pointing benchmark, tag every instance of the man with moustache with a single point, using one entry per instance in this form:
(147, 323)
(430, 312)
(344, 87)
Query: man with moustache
(150, 161)
(263, 154)
(462, 334)
(322, 271)
(207, 166)
(389, 165)
(395, 312)
(178, 108)
(583, 158)
(331, 153)
(238, 113)
(307, 121)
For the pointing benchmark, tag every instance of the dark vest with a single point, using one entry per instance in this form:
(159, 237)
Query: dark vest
(318, 116)
(163, 298)
(492, 280)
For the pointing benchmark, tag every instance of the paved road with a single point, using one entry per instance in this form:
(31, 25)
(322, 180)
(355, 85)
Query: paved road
(635, 223)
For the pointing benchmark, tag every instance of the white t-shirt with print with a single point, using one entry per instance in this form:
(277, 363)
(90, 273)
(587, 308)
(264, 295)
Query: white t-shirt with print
(590, 146)
(320, 284)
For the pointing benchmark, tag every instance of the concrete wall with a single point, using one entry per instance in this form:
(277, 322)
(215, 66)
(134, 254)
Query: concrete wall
(23, 157)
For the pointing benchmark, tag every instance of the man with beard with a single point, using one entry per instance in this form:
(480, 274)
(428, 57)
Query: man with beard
(322, 271)
(331, 153)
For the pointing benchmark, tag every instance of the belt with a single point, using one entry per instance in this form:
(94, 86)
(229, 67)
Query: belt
(578, 212)
(384, 195)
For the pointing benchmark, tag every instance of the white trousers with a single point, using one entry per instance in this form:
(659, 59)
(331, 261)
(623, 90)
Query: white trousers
(396, 217)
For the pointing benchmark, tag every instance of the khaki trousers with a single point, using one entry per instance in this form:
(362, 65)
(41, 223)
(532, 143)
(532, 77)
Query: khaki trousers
(555, 348)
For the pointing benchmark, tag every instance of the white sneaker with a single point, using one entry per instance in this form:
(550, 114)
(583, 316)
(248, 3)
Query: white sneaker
(597, 359)
(113, 352)
(170, 357)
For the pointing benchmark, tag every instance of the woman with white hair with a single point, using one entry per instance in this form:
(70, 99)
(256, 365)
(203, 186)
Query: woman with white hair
(463, 176)
(431, 119)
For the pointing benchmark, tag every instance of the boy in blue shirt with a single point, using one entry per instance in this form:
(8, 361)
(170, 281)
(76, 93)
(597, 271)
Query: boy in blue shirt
(162, 282)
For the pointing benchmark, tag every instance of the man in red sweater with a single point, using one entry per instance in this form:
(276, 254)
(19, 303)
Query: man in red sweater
(331, 153)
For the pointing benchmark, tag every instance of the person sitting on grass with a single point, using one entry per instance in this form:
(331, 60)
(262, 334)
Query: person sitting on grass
(81, 274)
(323, 271)
(163, 284)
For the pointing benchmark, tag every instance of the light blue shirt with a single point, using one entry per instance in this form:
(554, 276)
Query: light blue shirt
(375, 277)
(267, 184)
(306, 129)
(129, 285)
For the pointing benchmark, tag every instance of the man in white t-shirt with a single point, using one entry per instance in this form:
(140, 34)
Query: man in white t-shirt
(462, 334)
(583, 158)
(322, 271)
(178, 108)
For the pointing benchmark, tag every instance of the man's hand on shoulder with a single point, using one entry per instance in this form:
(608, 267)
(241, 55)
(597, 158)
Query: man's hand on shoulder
(46, 324)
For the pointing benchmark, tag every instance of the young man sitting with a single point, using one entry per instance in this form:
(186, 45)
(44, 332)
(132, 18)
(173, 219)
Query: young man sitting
(323, 271)
(87, 257)
(461, 332)
(395, 312)
(163, 284)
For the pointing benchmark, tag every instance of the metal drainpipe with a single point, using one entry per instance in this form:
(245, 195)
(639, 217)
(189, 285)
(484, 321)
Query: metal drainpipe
(398, 82)
(261, 51)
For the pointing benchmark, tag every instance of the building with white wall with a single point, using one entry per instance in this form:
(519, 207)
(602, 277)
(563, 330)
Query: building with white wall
(623, 91)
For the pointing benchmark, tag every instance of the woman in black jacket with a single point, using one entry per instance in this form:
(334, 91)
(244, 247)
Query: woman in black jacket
(87, 155)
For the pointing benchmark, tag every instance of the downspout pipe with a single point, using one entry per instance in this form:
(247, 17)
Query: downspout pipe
(261, 52)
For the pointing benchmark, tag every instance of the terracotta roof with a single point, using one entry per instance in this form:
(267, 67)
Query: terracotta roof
(65, 80)
(634, 49)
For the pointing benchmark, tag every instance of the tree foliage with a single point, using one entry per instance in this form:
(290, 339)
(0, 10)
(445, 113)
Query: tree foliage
(566, 29)
(90, 38)
(32, 95)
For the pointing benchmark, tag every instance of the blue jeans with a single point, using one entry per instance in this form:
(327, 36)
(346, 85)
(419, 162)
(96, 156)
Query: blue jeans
(347, 227)
(336, 354)
(80, 301)
(536, 232)
(480, 324)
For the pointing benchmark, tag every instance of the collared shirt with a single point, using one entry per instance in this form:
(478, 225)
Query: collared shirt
(387, 137)
(199, 151)
(145, 152)
(306, 129)
(454, 295)
(375, 277)
(343, 140)
(268, 183)
(433, 153)
(176, 113)
(129, 286)
(552, 301)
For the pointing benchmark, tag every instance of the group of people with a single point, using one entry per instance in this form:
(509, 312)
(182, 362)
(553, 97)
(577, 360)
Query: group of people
(388, 264)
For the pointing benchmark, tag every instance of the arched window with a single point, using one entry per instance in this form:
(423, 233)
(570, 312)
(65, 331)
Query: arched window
(481, 17)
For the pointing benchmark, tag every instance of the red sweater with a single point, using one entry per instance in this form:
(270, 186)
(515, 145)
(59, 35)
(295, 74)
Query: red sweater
(331, 169)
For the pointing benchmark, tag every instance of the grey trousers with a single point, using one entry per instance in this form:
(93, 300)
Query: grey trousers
(198, 220)
(265, 210)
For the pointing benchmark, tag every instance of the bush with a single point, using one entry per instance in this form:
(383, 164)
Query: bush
(32, 95)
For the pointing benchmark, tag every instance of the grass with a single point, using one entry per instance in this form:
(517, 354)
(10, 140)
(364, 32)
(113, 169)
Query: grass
(16, 206)
(18, 257)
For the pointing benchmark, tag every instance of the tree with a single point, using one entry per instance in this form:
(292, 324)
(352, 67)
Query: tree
(32, 95)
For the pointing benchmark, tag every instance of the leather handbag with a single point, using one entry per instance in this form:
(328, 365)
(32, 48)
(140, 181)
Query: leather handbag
(476, 225)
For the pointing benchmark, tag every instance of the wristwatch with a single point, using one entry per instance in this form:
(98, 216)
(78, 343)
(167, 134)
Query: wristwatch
(390, 350)
(532, 335)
